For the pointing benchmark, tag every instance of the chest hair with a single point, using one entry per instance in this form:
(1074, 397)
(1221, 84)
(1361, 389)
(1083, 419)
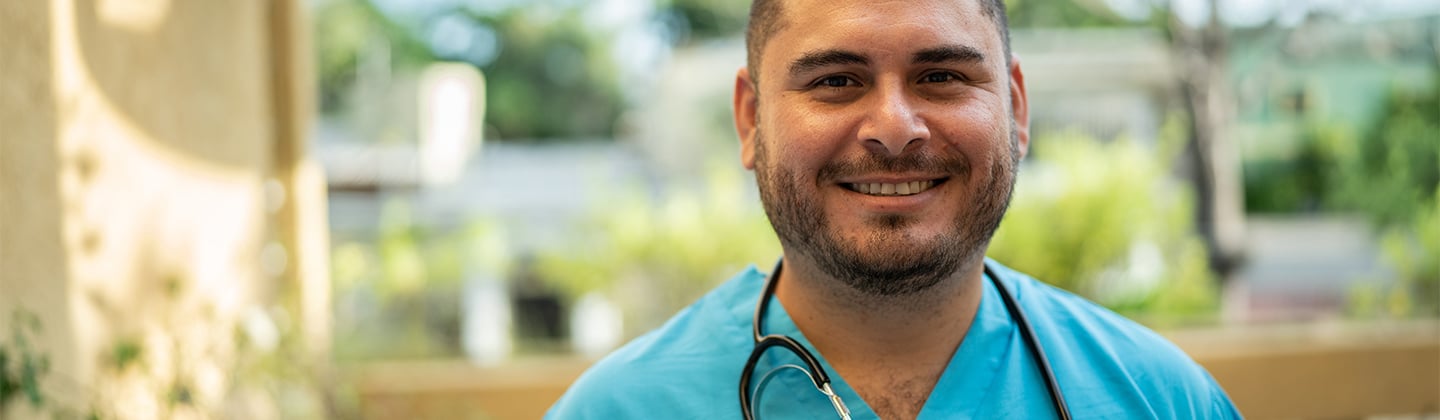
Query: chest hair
(897, 398)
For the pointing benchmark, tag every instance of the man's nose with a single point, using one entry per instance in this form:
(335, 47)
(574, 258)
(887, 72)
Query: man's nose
(893, 123)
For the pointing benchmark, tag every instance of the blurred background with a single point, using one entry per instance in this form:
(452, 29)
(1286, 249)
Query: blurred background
(449, 208)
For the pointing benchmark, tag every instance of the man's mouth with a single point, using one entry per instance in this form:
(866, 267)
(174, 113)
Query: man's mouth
(897, 189)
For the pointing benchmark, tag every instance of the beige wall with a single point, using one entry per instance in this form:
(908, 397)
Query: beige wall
(150, 155)
(30, 210)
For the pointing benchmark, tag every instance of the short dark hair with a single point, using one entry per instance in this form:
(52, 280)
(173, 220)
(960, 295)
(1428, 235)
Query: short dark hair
(767, 18)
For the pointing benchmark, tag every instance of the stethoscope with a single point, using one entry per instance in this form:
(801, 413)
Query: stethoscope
(822, 380)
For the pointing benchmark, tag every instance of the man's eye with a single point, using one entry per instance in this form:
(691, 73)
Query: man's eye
(941, 77)
(833, 82)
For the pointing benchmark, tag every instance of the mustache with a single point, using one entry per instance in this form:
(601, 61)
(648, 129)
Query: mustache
(926, 162)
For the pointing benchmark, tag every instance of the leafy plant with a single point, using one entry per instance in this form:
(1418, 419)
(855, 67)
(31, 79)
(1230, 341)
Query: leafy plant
(22, 366)
(1413, 251)
(1105, 220)
(1303, 181)
(655, 255)
(343, 30)
(1393, 175)
(397, 292)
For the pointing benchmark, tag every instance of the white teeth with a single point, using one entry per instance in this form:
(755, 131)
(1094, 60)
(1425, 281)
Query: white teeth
(904, 188)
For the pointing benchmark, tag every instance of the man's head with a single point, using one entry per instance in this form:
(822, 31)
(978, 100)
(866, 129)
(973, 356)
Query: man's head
(884, 134)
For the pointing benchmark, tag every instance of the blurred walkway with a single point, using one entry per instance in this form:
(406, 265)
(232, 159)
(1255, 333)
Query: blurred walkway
(1303, 268)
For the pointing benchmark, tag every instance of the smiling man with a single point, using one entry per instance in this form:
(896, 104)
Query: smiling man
(885, 138)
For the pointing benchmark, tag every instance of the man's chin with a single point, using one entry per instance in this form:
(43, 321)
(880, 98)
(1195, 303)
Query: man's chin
(891, 269)
(895, 280)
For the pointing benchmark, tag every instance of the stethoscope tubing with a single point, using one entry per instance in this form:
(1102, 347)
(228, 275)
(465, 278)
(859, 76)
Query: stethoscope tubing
(1042, 362)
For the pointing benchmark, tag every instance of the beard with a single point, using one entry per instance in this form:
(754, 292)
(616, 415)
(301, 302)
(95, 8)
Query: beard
(893, 261)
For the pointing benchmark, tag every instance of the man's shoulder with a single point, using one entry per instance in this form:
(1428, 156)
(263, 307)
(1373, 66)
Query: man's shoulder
(1093, 344)
(646, 377)
(664, 372)
(1059, 315)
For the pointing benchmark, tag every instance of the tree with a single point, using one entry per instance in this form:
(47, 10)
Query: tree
(1200, 56)
(345, 31)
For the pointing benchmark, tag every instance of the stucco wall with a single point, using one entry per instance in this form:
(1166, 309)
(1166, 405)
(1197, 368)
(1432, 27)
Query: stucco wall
(31, 246)
(148, 170)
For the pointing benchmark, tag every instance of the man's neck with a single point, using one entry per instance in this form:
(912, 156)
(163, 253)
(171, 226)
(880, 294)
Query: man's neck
(881, 344)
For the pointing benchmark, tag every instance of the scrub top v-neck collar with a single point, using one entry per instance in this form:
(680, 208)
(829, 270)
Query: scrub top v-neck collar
(962, 387)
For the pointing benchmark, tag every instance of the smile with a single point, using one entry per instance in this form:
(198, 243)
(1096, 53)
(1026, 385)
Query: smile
(899, 189)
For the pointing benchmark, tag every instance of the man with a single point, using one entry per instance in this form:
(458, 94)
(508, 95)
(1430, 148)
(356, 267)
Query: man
(885, 137)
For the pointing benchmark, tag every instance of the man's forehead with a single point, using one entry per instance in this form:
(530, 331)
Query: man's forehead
(882, 26)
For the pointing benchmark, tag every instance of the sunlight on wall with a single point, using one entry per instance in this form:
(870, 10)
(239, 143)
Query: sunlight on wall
(157, 139)
(134, 15)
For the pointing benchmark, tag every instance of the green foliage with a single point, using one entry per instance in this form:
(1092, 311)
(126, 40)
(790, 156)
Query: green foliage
(406, 257)
(410, 275)
(343, 30)
(179, 394)
(710, 19)
(22, 366)
(280, 369)
(1412, 249)
(657, 255)
(124, 353)
(1104, 220)
(1302, 181)
(554, 77)
(402, 265)
(1390, 172)
(1298, 181)
(1393, 172)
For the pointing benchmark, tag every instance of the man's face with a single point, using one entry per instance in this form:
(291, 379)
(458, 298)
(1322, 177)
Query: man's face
(883, 137)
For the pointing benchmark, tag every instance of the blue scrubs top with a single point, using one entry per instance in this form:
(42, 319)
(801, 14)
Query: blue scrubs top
(1107, 366)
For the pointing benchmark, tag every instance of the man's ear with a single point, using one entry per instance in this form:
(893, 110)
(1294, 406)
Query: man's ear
(1019, 106)
(745, 102)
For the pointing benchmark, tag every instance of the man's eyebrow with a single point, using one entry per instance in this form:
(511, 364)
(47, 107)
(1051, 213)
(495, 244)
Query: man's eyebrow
(816, 59)
(948, 54)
